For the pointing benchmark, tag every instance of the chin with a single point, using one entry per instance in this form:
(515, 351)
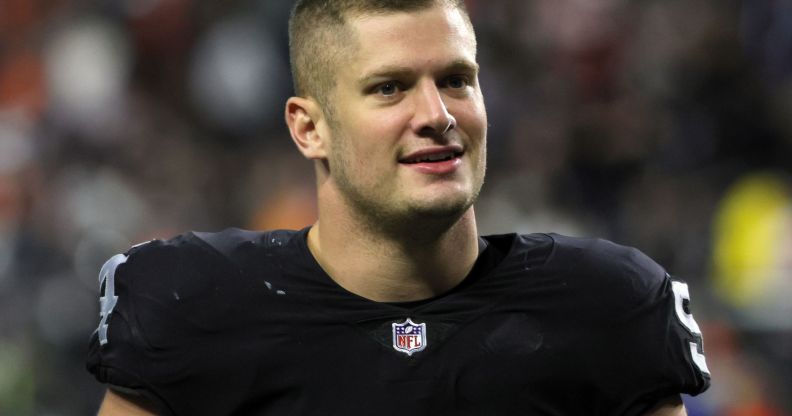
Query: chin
(447, 208)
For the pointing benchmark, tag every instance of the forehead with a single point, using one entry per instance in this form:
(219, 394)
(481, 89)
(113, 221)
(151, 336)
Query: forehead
(437, 35)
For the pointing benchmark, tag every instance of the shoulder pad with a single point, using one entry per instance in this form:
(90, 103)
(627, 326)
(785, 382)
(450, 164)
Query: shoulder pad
(233, 242)
(614, 274)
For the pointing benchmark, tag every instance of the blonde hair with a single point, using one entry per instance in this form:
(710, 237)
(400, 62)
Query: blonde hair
(319, 38)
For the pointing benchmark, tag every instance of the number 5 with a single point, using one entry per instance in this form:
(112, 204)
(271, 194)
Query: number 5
(682, 294)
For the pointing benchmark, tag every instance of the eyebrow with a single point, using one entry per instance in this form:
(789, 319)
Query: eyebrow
(398, 71)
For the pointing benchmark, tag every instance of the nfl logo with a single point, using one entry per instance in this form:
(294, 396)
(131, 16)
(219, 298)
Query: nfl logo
(409, 337)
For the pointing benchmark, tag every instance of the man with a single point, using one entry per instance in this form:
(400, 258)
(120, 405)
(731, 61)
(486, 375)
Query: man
(391, 303)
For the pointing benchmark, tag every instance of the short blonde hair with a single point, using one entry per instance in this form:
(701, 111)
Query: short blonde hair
(318, 35)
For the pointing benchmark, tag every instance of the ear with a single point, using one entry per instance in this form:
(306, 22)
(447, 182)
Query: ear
(303, 116)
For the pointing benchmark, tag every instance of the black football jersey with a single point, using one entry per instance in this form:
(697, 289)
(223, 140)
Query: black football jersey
(247, 323)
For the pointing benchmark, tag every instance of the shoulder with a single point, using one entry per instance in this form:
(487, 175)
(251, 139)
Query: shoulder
(235, 242)
(616, 275)
(194, 254)
(228, 244)
(168, 307)
(603, 257)
(195, 259)
(164, 286)
(632, 331)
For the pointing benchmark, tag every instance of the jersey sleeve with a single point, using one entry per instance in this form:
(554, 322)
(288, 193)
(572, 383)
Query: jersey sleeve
(118, 347)
(642, 343)
(166, 308)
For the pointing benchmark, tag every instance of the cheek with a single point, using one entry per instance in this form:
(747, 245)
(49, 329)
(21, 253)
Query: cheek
(376, 133)
(473, 120)
(479, 112)
(470, 110)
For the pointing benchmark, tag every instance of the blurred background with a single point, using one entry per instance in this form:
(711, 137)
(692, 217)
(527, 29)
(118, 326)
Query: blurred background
(663, 124)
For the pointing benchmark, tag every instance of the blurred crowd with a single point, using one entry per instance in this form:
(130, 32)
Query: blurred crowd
(663, 124)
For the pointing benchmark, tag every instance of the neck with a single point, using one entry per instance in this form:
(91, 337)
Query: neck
(386, 266)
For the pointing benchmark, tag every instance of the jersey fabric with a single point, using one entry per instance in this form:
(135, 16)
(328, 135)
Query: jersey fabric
(248, 323)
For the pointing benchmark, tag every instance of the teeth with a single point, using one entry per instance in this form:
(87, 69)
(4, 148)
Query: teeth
(434, 158)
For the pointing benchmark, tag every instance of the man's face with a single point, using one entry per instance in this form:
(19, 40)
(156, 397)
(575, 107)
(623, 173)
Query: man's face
(408, 125)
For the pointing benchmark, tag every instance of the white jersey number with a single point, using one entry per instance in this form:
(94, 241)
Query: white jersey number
(682, 294)
(108, 300)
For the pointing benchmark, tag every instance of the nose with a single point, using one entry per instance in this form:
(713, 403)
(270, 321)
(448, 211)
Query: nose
(431, 116)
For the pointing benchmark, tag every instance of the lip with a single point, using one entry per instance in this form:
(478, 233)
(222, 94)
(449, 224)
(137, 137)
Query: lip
(445, 167)
(456, 149)
(438, 168)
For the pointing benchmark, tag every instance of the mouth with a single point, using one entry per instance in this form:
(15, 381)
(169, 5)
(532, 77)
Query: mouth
(433, 156)
(435, 161)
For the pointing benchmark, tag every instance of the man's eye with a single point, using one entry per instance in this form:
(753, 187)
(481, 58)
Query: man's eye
(456, 82)
(388, 88)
